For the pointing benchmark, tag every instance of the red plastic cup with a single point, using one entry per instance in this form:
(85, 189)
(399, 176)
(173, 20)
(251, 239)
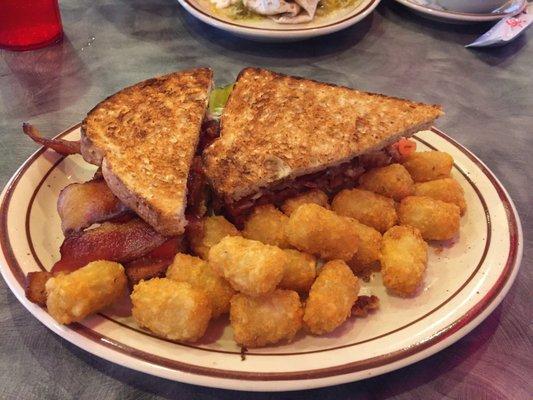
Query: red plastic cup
(29, 24)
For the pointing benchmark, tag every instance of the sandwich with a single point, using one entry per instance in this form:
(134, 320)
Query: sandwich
(278, 136)
(145, 138)
(282, 135)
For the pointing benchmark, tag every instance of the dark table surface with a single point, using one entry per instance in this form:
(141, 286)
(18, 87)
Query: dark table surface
(488, 98)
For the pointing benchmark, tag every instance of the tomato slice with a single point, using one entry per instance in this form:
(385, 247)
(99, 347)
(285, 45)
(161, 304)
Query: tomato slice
(406, 147)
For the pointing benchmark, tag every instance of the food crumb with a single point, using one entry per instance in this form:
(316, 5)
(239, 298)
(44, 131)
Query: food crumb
(439, 250)
(364, 305)
(244, 350)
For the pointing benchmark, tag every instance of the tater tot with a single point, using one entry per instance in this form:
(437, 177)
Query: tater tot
(331, 298)
(258, 321)
(391, 181)
(429, 165)
(300, 271)
(403, 259)
(170, 309)
(367, 207)
(267, 225)
(313, 196)
(369, 248)
(316, 230)
(72, 297)
(212, 230)
(249, 266)
(446, 189)
(199, 274)
(435, 219)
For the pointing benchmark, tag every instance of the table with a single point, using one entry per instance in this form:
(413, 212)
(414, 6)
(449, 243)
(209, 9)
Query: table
(488, 98)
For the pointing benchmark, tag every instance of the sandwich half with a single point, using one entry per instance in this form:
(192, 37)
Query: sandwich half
(145, 138)
(281, 135)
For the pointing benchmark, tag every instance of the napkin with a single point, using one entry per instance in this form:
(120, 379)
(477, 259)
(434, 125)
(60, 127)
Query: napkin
(506, 29)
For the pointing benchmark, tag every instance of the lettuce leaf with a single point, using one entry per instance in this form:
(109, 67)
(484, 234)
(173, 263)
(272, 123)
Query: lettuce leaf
(218, 99)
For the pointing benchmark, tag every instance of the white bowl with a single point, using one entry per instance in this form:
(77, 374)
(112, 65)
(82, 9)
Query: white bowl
(471, 6)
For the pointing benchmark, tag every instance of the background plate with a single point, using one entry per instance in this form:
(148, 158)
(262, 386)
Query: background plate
(464, 283)
(269, 31)
(460, 17)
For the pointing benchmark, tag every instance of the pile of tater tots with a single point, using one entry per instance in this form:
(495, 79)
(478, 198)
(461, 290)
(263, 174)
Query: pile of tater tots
(293, 268)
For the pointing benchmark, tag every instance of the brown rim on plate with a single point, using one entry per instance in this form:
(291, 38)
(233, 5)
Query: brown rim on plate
(370, 363)
(207, 349)
(190, 4)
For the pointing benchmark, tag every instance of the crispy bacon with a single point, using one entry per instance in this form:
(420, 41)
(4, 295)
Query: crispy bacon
(331, 180)
(35, 287)
(61, 146)
(155, 263)
(121, 242)
(196, 190)
(145, 268)
(210, 131)
(82, 204)
(168, 249)
(364, 305)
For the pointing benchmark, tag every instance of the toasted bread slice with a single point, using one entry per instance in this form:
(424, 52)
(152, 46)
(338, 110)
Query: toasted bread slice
(277, 127)
(145, 138)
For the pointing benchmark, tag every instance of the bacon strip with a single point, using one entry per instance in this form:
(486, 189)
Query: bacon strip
(61, 146)
(145, 268)
(168, 249)
(121, 242)
(82, 204)
(210, 132)
(35, 287)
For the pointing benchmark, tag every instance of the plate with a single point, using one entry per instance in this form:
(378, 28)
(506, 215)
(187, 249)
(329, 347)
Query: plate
(269, 31)
(422, 8)
(464, 283)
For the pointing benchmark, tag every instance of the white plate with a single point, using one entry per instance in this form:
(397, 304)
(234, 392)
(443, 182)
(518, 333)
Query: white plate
(269, 31)
(464, 283)
(459, 17)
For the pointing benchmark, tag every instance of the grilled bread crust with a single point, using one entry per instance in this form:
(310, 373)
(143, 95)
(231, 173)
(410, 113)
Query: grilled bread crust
(277, 127)
(145, 138)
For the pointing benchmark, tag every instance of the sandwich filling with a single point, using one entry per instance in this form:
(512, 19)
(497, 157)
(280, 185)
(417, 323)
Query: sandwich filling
(330, 180)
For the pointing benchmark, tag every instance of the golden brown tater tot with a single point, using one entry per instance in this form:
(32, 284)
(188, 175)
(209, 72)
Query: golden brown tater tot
(212, 230)
(331, 298)
(300, 271)
(249, 266)
(446, 189)
(403, 260)
(267, 225)
(316, 230)
(369, 248)
(367, 207)
(258, 321)
(429, 165)
(435, 219)
(200, 275)
(171, 309)
(72, 297)
(313, 196)
(391, 181)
